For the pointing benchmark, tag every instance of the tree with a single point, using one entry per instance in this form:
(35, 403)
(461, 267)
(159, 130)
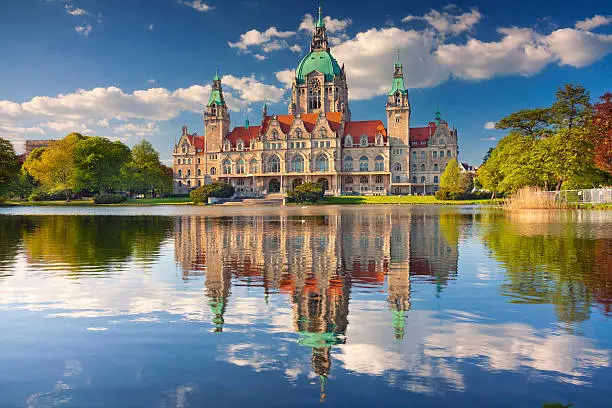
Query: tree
(9, 167)
(450, 179)
(487, 156)
(306, 193)
(528, 122)
(99, 163)
(54, 167)
(572, 108)
(144, 173)
(602, 133)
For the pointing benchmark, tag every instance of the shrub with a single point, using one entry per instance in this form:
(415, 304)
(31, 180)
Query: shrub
(306, 193)
(218, 190)
(109, 198)
(42, 196)
(448, 194)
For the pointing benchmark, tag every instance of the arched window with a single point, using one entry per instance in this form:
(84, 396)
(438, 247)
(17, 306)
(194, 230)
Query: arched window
(297, 164)
(322, 163)
(422, 179)
(397, 179)
(441, 153)
(414, 167)
(323, 133)
(414, 179)
(363, 163)
(379, 140)
(298, 133)
(180, 173)
(213, 109)
(414, 154)
(379, 163)
(436, 179)
(240, 167)
(189, 161)
(199, 172)
(253, 167)
(363, 180)
(240, 145)
(348, 141)
(448, 153)
(363, 141)
(198, 160)
(422, 154)
(397, 166)
(213, 171)
(441, 141)
(199, 183)
(434, 154)
(188, 183)
(227, 146)
(378, 180)
(274, 134)
(314, 94)
(274, 164)
(398, 98)
(227, 166)
(348, 180)
(189, 173)
(348, 163)
(422, 167)
(436, 168)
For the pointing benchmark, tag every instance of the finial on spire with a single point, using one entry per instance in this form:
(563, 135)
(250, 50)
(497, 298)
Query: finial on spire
(398, 52)
(216, 72)
(438, 114)
(320, 22)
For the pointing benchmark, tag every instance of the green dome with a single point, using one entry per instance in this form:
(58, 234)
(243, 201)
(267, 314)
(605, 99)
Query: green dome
(321, 61)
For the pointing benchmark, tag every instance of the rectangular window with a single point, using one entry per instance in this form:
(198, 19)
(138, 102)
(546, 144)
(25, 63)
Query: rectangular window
(328, 143)
(315, 144)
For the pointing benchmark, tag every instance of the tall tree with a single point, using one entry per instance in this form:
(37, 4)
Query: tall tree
(602, 133)
(54, 166)
(144, 173)
(572, 108)
(528, 122)
(451, 178)
(9, 167)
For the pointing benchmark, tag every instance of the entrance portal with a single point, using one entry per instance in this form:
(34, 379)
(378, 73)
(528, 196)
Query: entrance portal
(274, 186)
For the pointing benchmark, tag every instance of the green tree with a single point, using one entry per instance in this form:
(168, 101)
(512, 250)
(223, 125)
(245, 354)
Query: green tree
(144, 173)
(9, 168)
(99, 163)
(451, 179)
(572, 108)
(54, 167)
(306, 193)
(528, 122)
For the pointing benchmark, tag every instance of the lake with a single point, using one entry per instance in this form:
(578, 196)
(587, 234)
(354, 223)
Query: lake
(182, 306)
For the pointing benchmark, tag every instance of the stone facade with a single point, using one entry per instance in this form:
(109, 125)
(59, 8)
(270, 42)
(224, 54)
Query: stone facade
(317, 141)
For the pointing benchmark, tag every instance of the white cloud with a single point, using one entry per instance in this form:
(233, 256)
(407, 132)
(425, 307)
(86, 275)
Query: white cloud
(260, 57)
(150, 81)
(151, 27)
(593, 22)
(269, 40)
(489, 125)
(197, 5)
(332, 25)
(75, 11)
(251, 90)
(83, 29)
(285, 76)
(296, 48)
(454, 22)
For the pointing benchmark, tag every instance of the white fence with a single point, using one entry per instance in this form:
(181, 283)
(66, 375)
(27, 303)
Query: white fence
(592, 195)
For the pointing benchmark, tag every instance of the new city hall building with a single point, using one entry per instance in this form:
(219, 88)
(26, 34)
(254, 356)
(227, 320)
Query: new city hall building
(317, 141)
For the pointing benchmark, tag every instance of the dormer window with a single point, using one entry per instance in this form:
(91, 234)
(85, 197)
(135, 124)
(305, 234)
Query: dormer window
(323, 133)
(274, 134)
(298, 133)
(240, 145)
(227, 146)
(363, 141)
(348, 141)
(379, 140)
(213, 109)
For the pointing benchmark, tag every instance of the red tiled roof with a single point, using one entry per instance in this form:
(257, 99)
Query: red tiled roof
(196, 141)
(243, 133)
(420, 136)
(365, 127)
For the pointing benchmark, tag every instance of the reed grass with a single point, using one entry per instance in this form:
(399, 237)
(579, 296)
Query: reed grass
(531, 198)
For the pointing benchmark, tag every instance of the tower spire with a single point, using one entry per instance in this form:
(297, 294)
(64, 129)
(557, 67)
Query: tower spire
(319, 37)
(320, 22)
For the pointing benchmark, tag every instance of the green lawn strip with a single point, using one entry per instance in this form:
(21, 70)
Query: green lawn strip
(349, 200)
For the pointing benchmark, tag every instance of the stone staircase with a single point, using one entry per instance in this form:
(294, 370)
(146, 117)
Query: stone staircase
(268, 200)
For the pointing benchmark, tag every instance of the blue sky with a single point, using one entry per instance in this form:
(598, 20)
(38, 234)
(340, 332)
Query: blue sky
(142, 68)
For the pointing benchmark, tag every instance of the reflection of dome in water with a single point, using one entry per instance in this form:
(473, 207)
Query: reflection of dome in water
(319, 339)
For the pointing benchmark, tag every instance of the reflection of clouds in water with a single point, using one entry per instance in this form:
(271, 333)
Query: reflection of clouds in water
(177, 398)
(60, 394)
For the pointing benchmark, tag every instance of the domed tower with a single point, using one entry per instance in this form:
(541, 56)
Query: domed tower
(398, 129)
(320, 82)
(216, 117)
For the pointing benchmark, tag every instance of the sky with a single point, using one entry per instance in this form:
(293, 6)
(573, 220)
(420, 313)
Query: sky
(141, 69)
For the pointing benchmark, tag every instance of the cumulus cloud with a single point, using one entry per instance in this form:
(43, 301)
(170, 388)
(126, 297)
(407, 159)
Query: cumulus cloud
(285, 76)
(296, 48)
(450, 21)
(489, 125)
(332, 25)
(84, 29)
(75, 11)
(260, 57)
(593, 22)
(197, 5)
(129, 114)
(269, 40)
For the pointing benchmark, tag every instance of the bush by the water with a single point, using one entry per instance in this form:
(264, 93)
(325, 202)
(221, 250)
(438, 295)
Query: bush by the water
(109, 199)
(448, 194)
(306, 193)
(218, 190)
(42, 196)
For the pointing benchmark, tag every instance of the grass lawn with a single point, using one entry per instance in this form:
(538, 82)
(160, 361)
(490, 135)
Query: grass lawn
(398, 200)
(130, 202)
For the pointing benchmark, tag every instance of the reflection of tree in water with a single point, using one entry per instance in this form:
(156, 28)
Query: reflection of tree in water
(11, 230)
(81, 243)
(552, 266)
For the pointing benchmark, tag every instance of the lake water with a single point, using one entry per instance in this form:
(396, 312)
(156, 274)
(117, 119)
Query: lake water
(269, 307)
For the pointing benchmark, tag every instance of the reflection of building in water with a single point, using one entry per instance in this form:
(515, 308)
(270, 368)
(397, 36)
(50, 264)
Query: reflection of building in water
(316, 260)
